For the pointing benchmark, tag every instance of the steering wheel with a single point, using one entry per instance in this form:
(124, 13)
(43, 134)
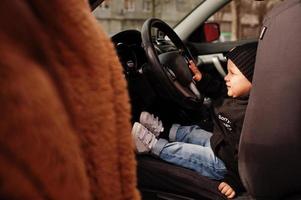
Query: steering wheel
(169, 71)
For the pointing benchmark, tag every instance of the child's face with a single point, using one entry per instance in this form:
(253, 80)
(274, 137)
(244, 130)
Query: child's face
(237, 84)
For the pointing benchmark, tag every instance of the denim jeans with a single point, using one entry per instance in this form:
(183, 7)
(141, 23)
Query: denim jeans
(189, 147)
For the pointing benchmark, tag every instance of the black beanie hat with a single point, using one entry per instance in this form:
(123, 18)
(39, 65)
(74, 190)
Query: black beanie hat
(244, 58)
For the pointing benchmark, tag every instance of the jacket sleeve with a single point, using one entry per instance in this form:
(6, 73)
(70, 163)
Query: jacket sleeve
(211, 87)
(234, 181)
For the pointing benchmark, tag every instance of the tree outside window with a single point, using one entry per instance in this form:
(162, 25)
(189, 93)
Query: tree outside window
(242, 19)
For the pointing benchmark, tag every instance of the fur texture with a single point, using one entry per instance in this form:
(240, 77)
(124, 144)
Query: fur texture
(65, 124)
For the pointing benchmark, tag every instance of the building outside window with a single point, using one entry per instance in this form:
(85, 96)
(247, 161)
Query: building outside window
(147, 5)
(105, 4)
(129, 5)
(181, 5)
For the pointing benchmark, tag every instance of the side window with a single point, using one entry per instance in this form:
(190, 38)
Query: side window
(242, 19)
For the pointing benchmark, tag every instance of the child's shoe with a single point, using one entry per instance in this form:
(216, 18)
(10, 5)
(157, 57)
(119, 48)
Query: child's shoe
(143, 138)
(152, 123)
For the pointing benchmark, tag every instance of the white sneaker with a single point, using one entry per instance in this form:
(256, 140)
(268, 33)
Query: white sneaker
(152, 123)
(143, 139)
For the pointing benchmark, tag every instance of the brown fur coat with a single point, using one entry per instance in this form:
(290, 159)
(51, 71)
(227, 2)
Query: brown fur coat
(65, 116)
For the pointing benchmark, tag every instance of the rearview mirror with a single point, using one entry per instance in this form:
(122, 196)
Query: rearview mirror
(211, 31)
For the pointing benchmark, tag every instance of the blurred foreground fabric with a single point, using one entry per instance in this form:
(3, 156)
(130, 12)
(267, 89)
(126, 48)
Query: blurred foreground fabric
(65, 115)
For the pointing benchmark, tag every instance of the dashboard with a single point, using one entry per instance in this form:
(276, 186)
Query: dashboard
(128, 45)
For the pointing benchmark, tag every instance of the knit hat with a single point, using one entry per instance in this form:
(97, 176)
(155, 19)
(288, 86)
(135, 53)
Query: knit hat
(244, 58)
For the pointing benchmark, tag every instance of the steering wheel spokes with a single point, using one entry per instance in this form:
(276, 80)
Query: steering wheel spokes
(189, 91)
(169, 69)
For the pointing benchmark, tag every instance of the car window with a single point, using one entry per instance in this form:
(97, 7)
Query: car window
(242, 19)
(118, 15)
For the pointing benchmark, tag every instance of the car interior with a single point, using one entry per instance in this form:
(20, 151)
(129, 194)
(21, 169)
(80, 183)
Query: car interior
(159, 81)
(69, 95)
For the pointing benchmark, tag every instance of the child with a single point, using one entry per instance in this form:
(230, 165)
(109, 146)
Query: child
(213, 155)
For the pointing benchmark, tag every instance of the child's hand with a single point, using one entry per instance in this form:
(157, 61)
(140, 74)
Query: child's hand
(226, 189)
(197, 74)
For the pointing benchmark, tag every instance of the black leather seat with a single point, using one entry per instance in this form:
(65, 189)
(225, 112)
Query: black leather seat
(163, 179)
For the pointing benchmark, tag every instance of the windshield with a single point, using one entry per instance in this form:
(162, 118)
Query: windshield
(119, 15)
